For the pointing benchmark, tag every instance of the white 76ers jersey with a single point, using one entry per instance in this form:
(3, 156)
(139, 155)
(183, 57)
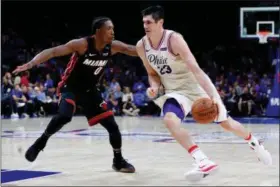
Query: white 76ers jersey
(174, 75)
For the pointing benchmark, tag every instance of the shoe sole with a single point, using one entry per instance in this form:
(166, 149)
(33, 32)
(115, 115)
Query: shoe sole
(268, 161)
(29, 152)
(124, 170)
(200, 175)
(28, 158)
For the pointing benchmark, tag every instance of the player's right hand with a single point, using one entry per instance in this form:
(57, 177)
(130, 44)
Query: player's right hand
(21, 68)
(152, 92)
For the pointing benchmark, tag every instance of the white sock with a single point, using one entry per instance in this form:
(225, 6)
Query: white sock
(252, 139)
(197, 154)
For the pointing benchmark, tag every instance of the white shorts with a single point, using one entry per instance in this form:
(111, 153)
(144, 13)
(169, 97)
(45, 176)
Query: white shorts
(187, 101)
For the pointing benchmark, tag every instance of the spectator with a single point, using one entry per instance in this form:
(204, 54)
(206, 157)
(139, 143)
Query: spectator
(260, 101)
(51, 96)
(256, 85)
(105, 90)
(231, 101)
(31, 93)
(19, 102)
(114, 85)
(141, 102)
(17, 80)
(237, 88)
(113, 104)
(139, 86)
(127, 93)
(49, 82)
(245, 102)
(266, 81)
(6, 100)
(30, 105)
(43, 103)
(25, 79)
(129, 107)
(8, 76)
(118, 95)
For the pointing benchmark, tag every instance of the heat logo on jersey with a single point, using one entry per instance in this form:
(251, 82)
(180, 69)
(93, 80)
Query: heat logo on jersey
(103, 105)
(99, 63)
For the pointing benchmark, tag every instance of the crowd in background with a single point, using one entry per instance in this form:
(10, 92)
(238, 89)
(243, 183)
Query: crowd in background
(241, 75)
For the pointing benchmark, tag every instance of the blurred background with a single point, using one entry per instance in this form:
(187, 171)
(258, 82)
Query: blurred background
(222, 36)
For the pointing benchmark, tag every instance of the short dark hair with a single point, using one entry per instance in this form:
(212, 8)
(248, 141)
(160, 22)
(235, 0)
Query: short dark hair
(98, 22)
(156, 12)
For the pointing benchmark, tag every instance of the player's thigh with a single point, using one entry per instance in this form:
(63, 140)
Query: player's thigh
(67, 104)
(184, 102)
(171, 105)
(95, 108)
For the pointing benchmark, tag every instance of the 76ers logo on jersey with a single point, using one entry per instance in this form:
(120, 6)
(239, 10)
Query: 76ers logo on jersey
(160, 63)
(165, 69)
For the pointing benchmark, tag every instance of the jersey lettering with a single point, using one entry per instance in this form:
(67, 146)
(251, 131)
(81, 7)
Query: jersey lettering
(95, 62)
(97, 71)
(156, 59)
(165, 70)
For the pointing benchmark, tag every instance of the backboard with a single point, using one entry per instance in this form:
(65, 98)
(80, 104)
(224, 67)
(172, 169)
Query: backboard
(257, 19)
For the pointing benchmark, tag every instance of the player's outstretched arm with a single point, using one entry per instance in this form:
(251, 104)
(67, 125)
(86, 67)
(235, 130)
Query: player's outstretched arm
(77, 45)
(120, 47)
(179, 46)
(154, 78)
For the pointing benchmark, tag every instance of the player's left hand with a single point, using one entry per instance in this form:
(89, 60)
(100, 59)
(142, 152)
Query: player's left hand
(214, 100)
(21, 68)
(152, 92)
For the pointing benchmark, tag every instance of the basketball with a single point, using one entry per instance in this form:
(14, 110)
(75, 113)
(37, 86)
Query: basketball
(204, 111)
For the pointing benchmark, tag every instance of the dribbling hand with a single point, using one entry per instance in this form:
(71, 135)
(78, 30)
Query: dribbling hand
(215, 101)
(152, 92)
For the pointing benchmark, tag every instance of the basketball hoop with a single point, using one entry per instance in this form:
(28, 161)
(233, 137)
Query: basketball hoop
(263, 35)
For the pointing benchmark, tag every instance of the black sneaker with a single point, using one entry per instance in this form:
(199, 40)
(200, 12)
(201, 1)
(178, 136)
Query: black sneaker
(33, 151)
(122, 166)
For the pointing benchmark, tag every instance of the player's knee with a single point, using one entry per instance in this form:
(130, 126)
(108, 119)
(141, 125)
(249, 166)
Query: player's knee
(227, 124)
(170, 119)
(110, 125)
(63, 119)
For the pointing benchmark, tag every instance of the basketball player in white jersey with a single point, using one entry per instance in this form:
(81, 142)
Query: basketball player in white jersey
(169, 61)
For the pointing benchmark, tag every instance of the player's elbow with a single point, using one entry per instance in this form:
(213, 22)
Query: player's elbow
(152, 74)
(57, 51)
(54, 53)
(130, 50)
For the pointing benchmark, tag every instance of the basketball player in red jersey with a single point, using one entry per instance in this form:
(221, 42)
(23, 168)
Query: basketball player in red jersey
(78, 86)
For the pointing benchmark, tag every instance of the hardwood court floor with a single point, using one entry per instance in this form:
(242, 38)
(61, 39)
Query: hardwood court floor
(83, 156)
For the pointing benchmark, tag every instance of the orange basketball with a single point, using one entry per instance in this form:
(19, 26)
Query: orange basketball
(204, 111)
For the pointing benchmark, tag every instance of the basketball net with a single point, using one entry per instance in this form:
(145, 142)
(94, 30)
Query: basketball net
(263, 35)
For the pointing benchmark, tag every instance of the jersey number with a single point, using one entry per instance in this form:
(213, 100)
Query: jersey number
(165, 69)
(97, 71)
